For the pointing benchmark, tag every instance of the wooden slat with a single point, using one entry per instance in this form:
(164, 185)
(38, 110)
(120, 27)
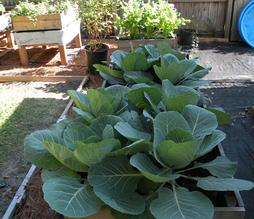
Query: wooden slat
(207, 16)
(229, 18)
(238, 7)
(23, 78)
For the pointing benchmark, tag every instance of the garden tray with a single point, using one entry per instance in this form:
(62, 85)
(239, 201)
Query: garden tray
(45, 22)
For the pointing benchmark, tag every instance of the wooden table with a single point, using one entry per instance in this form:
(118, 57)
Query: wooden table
(48, 37)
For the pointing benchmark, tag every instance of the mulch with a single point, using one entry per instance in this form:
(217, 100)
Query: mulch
(46, 61)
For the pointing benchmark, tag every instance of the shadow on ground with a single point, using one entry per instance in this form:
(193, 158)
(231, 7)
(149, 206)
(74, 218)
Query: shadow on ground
(60, 87)
(239, 144)
(224, 48)
(32, 114)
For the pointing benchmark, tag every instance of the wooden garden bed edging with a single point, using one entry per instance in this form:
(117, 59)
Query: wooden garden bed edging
(127, 45)
(20, 194)
(45, 22)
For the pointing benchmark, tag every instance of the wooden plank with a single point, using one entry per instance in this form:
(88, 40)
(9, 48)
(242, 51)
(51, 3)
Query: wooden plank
(10, 39)
(128, 44)
(23, 56)
(45, 22)
(238, 7)
(78, 42)
(63, 54)
(24, 78)
(229, 18)
(207, 16)
(61, 37)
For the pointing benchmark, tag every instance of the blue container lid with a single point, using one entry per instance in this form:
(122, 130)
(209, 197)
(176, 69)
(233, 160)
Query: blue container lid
(246, 23)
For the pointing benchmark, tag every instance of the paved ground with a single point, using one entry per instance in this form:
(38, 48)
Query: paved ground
(228, 61)
(234, 63)
(239, 144)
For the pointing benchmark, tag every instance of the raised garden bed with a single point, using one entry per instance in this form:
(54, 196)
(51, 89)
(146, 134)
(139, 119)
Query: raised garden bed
(127, 45)
(45, 22)
(177, 160)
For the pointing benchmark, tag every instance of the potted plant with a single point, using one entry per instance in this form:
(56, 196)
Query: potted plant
(187, 35)
(148, 22)
(98, 20)
(44, 15)
(138, 151)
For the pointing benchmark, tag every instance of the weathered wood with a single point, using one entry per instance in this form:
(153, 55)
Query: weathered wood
(238, 7)
(10, 39)
(228, 18)
(78, 42)
(45, 22)
(23, 56)
(63, 54)
(128, 44)
(61, 37)
(24, 78)
(49, 37)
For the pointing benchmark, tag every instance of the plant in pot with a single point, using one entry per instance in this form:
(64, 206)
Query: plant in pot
(98, 20)
(187, 36)
(149, 20)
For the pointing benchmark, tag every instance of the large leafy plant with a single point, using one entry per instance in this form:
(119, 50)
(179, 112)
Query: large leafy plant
(98, 19)
(150, 19)
(139, 151)
(151, 64)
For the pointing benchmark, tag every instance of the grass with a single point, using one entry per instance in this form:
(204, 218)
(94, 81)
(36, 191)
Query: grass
(24, 108)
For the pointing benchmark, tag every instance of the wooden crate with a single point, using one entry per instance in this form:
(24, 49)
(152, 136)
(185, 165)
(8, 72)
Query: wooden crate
(128, 44)
(45, 22)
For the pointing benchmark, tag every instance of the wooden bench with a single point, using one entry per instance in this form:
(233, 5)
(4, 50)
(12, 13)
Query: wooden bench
(49, 37)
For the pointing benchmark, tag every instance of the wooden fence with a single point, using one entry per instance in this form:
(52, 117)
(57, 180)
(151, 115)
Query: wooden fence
(208, 16)
(216, 18)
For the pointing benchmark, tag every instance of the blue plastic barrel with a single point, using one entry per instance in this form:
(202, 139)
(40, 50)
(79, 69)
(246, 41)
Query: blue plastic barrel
(246, 23)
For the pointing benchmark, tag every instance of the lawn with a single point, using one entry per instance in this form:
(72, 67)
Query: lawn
(24, 107)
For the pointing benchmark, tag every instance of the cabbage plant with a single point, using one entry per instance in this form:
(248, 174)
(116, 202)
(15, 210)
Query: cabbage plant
(151, 64)
(137, 151)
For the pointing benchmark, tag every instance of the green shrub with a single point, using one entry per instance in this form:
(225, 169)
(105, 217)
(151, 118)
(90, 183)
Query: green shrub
(98, 18)
(153, 19)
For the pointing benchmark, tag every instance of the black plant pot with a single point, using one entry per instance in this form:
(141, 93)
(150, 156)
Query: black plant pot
(186, 37)
(96, 56)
